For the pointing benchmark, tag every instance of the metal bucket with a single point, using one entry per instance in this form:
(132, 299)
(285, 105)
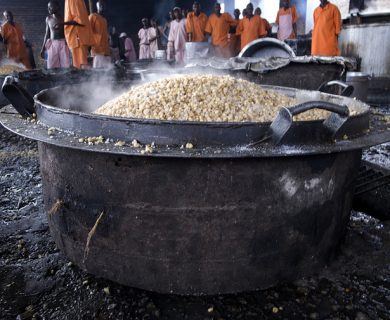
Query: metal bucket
(359, 81)
(160, 55)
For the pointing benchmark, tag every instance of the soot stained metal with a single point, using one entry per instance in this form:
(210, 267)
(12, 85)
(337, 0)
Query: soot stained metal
(222, 217)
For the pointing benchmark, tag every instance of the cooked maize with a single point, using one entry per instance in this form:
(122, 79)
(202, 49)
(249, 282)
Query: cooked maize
(204, 98)
(9, 69)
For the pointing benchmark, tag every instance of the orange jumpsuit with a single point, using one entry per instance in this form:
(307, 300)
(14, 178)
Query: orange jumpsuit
(251, 29)
(219, 28)
(78, 38)
(327, 26)
(285, 19)
(196, 25)
(16, 49)
(100, 35)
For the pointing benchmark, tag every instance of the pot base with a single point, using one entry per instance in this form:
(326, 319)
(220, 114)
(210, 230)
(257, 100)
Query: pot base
(198, 226)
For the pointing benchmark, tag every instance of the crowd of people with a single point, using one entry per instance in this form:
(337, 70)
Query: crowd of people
(230, 34)
(71, 38)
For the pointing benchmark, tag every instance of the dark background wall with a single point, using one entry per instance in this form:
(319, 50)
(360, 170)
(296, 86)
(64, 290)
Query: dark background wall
(125, 15)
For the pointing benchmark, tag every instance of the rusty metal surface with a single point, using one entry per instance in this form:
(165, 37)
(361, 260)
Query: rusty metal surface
(197, 226)
(271, 64)
(374, 55)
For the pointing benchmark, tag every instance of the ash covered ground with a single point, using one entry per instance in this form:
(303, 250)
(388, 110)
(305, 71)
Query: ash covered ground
(38, 282)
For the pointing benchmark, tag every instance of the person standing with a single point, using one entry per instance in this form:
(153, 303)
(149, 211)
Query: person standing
(196, 24)
(218, 25)
(250, 27)
(144, 43)
(100, 49)
(177, 36)
(78, 32)
(12, 34)
(114, 44)
(267, 25)
(58, 55)
(184, 14)
(126, 48)
(234, 39)
(166, 30)
(30, 52)
(326, 30)
(155, 33)
(286, 20)
(167, 26)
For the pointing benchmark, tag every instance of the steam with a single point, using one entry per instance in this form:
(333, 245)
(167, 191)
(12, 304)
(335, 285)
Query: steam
(89, 96)
(9, 62)
(85, 97)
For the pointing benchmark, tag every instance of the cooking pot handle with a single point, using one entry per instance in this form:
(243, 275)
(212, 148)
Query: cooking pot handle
(20, 99)
(280, 127)
(347, 89)
(306, 106)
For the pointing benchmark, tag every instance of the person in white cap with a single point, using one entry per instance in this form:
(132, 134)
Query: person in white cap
(126, 48)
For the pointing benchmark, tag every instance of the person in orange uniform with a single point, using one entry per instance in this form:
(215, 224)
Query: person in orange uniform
(218, 26)
(234, 39)
(100, 49)
(286, 20)
(327, 27)
(196, 24)
(78, 31)
(250, 27)
(267, 25)
(12, 34)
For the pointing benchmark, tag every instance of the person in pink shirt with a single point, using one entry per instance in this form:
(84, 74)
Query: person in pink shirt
(178, 35)
(126, 47)
(58, 54)
(144, 43)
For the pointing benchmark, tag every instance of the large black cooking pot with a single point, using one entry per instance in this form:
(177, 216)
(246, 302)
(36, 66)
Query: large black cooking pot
(240, 211)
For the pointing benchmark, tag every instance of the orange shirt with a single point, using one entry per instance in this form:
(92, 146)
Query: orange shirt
(219, 28)
(196, 25)
(327, 26)
(16, 48)
(100, 35)
(77, 36)
(251, 29)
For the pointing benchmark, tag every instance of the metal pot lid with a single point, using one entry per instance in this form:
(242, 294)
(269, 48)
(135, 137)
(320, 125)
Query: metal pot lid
(267, 48)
